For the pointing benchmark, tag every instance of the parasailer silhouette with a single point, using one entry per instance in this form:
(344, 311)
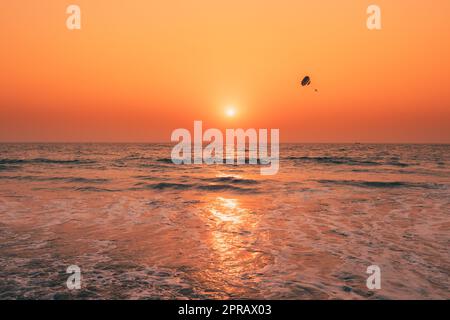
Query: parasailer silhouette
(306, 81)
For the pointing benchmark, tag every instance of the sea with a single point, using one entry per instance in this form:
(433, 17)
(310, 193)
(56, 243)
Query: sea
(141, 227)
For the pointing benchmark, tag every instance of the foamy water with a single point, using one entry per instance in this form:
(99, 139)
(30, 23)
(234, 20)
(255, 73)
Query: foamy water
(140, 227)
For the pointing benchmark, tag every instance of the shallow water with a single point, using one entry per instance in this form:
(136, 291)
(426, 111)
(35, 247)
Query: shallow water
(140, 227)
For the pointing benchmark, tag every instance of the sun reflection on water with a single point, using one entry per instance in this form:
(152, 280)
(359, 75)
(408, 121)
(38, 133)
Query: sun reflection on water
(233, 232)
(227, 210)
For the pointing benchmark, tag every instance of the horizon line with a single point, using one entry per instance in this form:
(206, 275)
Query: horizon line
(169, 142)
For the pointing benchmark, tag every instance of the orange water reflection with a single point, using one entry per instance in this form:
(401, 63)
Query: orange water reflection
(233, 232)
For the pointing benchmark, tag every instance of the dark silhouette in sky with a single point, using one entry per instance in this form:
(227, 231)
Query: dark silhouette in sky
(306, 81)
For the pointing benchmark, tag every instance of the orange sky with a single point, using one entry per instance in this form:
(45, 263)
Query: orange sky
(139, 69)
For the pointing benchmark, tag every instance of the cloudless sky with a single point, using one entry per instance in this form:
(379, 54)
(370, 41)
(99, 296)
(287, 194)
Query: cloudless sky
(139, 69)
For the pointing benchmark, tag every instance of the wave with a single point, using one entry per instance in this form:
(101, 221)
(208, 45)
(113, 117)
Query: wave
(63, 179)
(397, 164)
(165, 160)
(208, 187)
(94, 189)
(45, 160)
(247, 160)
(382, 184)
(12, 161)
(231, 180)
(85, 180)
(167, 185)
(141, 177)
(224, 187)
(8, 168)
(346, 161)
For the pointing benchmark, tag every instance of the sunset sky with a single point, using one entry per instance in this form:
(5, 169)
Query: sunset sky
(139, 69)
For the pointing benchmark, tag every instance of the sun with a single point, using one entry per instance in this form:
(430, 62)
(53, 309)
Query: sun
(230, 111)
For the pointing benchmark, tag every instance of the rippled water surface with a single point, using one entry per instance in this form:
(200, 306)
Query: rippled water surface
(140, 227)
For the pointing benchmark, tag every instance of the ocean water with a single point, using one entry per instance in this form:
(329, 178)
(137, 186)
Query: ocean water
(140, 227)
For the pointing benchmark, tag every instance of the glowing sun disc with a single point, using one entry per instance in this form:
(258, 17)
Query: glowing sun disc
(230, 111)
